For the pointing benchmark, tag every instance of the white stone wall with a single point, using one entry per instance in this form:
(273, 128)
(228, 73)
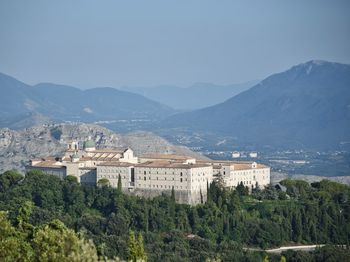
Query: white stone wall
(250, 177)
(200, 178)
(73, 169)
(128, 156)
(188, 183)
(112, 174)
(162, 178)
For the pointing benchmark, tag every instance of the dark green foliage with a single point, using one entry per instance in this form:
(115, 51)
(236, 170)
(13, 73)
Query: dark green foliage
(119, 183)
(51, 241)
(242, 190)
(317, 213)
(8, 179)
(326, 253)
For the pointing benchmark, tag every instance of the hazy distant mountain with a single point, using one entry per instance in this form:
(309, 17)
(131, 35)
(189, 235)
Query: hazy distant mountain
(305, 106)
(196, 96)
(60, 102)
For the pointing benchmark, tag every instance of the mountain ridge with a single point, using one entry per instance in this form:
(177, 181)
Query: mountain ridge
(198, 95)
(68, 103)
(310, 98)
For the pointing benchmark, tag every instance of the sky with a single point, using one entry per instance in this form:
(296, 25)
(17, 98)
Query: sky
(146, 43)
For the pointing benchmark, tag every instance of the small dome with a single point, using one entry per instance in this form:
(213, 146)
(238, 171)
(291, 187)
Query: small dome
(75, 156)
(89, 144)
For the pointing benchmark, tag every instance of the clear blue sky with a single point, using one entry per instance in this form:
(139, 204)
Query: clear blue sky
(114, 43)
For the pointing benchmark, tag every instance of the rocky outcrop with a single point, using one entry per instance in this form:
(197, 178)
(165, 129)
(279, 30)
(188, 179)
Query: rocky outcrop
(17, 147)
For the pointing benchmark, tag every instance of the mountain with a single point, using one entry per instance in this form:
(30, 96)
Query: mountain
(307, 106)
(60, 102)
(16, 97)
(18, 146)
(193, 97)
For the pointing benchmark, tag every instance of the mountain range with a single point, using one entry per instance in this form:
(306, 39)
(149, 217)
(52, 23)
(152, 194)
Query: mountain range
(19, 101)
(196, 96)
(307, 106)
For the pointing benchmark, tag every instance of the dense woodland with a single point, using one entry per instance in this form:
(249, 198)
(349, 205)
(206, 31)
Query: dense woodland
(44, 213)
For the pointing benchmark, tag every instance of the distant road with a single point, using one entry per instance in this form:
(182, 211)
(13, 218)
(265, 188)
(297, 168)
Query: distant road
(284, 248)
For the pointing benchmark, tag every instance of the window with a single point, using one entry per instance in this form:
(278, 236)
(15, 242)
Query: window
(144, 172)
(181, 179)
(181, 174)
(144, 178)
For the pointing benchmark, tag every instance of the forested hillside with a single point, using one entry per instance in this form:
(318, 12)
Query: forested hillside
(219, 229)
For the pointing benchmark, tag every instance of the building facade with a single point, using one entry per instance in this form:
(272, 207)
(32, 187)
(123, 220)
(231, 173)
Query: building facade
(153, 174)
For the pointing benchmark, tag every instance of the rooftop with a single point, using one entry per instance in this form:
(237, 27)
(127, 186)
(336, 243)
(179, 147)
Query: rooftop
(107, 150)
(238, 165)
(165, 156)
(116, 163)
(49, 163)
(171, 164)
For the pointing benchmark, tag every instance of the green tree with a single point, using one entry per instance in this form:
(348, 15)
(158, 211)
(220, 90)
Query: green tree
(23, 215)
(103, 182)
(13, 244)
(132, 247)
(241, 189)
(119, 183)
(141, 250)
(201, 195)
(172, 194)
(55, 242)
(9, 179)
(136, 250)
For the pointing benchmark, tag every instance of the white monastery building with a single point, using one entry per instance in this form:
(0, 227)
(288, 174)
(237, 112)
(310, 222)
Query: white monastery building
(153, 174)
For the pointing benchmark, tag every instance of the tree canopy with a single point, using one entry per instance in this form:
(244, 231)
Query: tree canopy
(42, 210)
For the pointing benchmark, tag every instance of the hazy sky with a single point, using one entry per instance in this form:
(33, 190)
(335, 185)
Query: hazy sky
(114, 43)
